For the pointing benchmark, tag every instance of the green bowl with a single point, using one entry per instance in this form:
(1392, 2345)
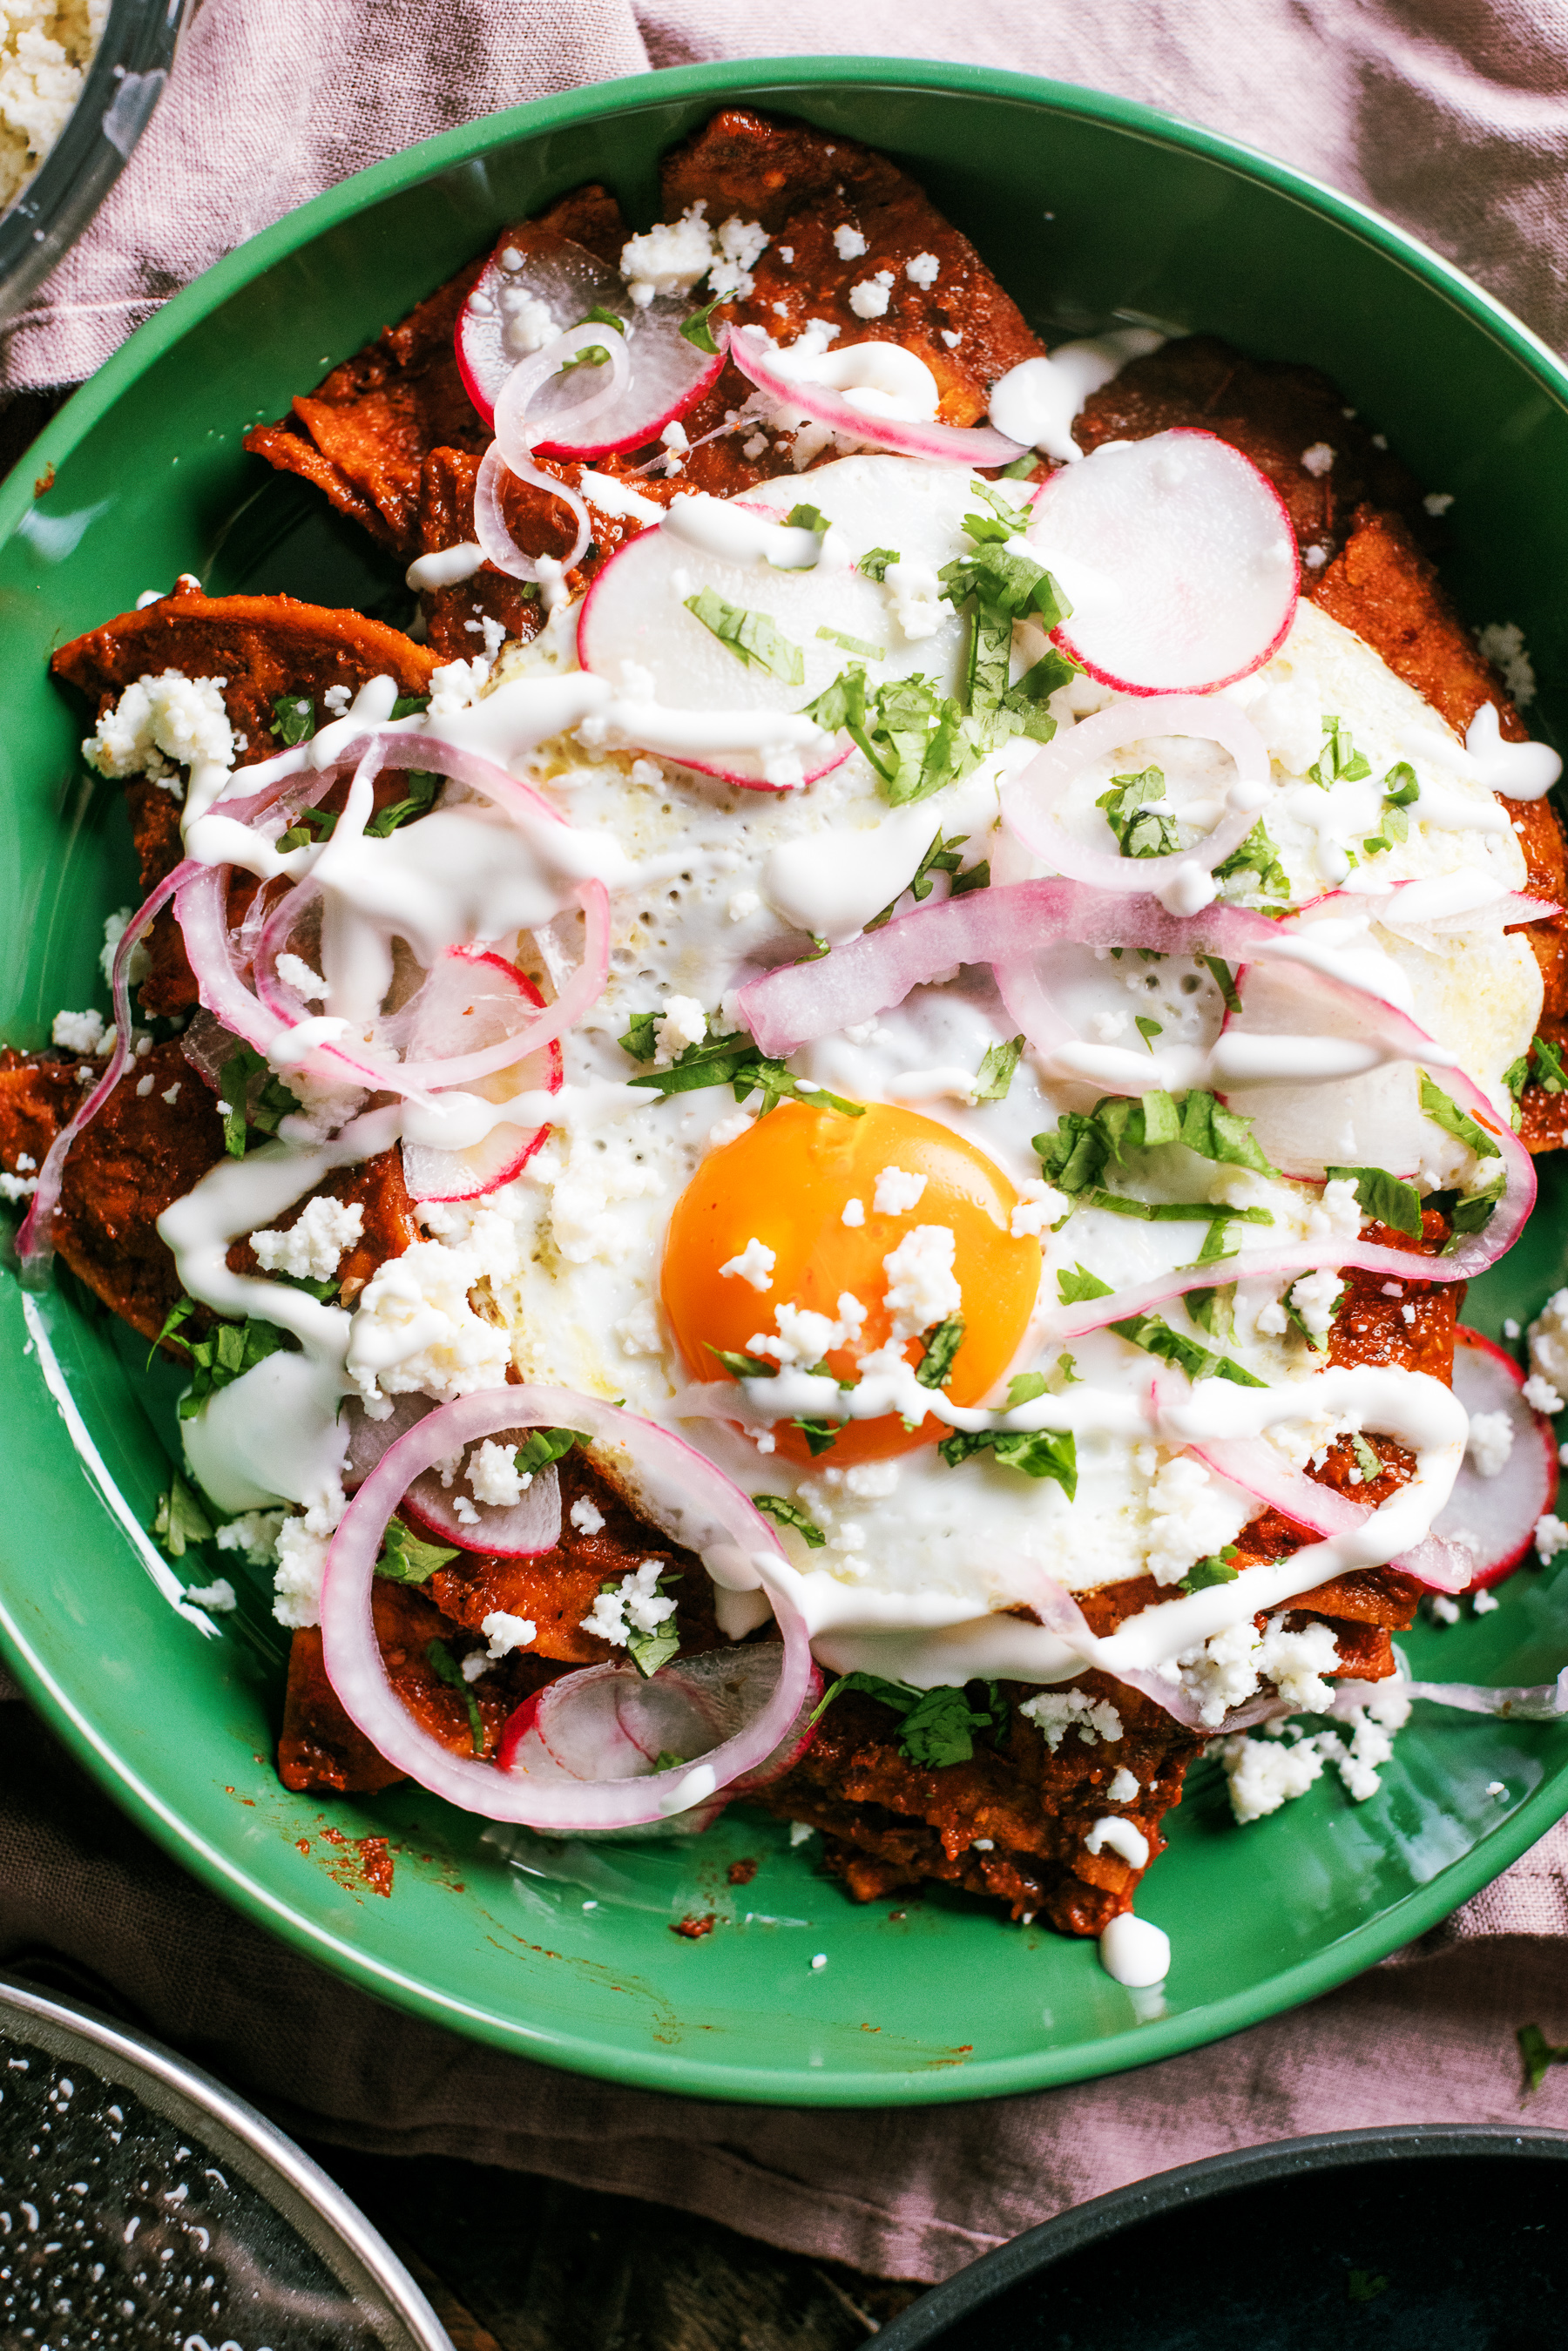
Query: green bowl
(1087, 207)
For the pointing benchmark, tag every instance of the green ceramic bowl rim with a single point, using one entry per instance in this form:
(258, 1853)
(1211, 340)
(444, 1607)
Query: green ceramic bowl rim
(757, 78)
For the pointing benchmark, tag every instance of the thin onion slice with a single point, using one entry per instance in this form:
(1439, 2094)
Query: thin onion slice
(1256, 1465)
(539, 1791)
(490, 525)
(755, 353)
(1030, 800)
(35, 1241)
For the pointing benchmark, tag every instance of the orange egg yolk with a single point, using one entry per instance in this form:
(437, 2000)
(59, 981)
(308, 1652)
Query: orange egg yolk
(788, 1183)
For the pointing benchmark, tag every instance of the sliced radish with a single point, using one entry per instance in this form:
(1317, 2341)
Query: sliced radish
(472, 998)
(799, 388)
(1178, 559)
(520, 1529)
(550, 288)
(1494, 1518)
(1370, 1116)
(634, 618)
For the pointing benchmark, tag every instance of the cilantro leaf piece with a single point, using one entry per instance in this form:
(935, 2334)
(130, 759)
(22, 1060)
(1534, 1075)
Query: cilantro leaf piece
(733, 1060)
(1149, 1028)
(873, 564)
(942, 857)
(406, 1559)
(180, 1311)
(1036, 1452)
(1383, 1197)
(821, 1435)
(293, 720)
(941, 1344)
(1339, 756)
(1012, 514)
(1258, 857)
(936, 1726)
(785, 1513)
(445, 1668)
(226, 1353)
(696, 330)
(543, 1445)
(422, 787)
(1024, 1387)
(590, 355)
(1546, 1060)
(651, 1647)
(853, 644)
(1211, 1309)
(1156, 1337)
(1223, 1136)
(1367, 1460)
(311, 825)
(640, 1041)
(743, 1367)
(600, 317)
(1224, 979)
(753, 638)
(182, 1517)
(244, 1107)
(1464, 1129)
(1139, 834)
(407, 704)
(1474, 1212)
(1022, 469)
(1175, 1212)
(995, 1074)
(1215, 1569)
(1538, 2054)
(806, 518)
(1079, 1284)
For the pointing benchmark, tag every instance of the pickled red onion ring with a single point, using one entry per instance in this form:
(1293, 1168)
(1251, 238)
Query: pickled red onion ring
(1029, 800)
(755, 354)
(712, 1514)
(514, 437)
(490, 526)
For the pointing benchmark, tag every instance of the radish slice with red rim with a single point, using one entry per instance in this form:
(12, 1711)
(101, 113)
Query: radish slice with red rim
(680, 1490)
(470, 999)
(758, 358)
(1177, 557)
(1492, 1517)
(668, 374)
(520, 1529)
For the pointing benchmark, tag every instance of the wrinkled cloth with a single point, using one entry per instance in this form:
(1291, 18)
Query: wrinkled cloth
(88, 1904)
(1450, 115)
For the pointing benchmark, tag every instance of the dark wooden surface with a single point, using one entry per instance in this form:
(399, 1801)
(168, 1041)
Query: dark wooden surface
(513, 2262)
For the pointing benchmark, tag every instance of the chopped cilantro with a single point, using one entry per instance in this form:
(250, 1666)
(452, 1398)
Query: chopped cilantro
(873, 564)
(1220, 1135)
(937, 1727)
(312, 824)
(226, 1353)
(941, 1344)
(445, 1668)
(853, 644)
(1157, 1338)
(1257, 856)
(1224, 979)
(753, 638)
(1076, 1285)
(1127, 806)
(1453, 1121)
(404, 1559)
(1212, 1310)
(805, 517)
(1362, 2286)
(733, 1060)
(407, 704)
(1215, 1569)
(1367, 1460)
(821, 1435)
(1022, 469)
(246, 1118)
(1474, 1212)
(1036, 1452)
(590, 355)
(1149, 1028)
(1384, 1197)
(1075, 1155)
(180, 1311)
(666, 1759)
(1395, 822)
(600, 317)
(650, 1650)
(785, 1513)
(696, 330)
(995, 1074)
(181, 1519)
(1023, 1388)
(293, 720)
(1174, 1212)
(1538, 2054)
(744, 1367)
(543, 1445)
(1339, 756)
(942, 857)
(422, 787)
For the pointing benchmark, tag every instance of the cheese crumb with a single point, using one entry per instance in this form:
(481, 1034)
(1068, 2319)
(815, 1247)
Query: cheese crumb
(414, 1333)
(848, 243)
(684, 1023)
(219, 1595)
(1502, 642)
(1550, 1537)
(1123, 1788)
(82, 1032)
(1549, 1342)
(669, 258)
(1489, 1443)
(1438, 502)
(852, 1213)
(161, 722)
(635, 1605)
(504, 1633)
(896, 1192)
(1317, 460)
(922, 1288)
(924, 270)
(253, 1532)
(312, 1247)
(494, 1475)
(1055, 1712)
(586, 1516)
(755, 1264)
(1483, 1603)
(1314, 1298)
(869, 299)
(1540, 1395)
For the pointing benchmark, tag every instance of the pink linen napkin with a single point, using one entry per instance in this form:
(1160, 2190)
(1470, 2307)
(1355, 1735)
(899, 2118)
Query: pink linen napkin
(1451, 115)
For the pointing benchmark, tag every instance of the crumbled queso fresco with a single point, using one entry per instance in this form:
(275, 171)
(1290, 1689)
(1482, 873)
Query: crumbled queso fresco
(46, 48)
